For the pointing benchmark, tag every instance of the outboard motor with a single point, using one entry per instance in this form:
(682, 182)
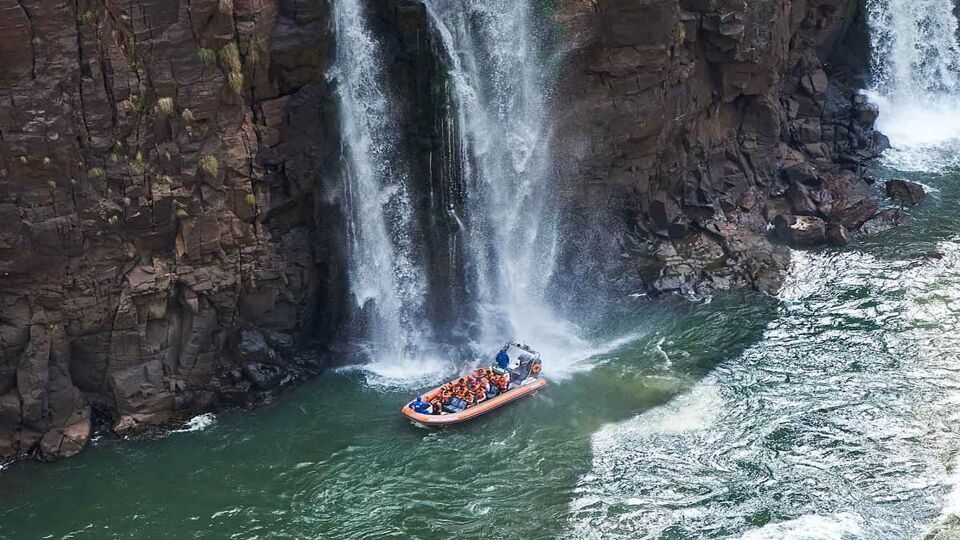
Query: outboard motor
(523, 370)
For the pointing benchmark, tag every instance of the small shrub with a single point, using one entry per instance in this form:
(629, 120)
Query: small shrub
(209, 165)
(164, 106)
(138, 165)
(181, 209)
(206, 55)
(85, 18)
(95, 173)
(46, 161)
(230, 56)
(52, 184)
(23, 159)
(187, 115)
(113, 220)
(251, 199)
(235, 80)
(133, 104)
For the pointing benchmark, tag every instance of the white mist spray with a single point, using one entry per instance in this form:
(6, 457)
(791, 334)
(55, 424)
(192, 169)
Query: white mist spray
(386, 280)
(500, 77)
(916, 69)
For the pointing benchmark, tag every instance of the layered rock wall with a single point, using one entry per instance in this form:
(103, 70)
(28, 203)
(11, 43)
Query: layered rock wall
(697, 123)
(162, 191)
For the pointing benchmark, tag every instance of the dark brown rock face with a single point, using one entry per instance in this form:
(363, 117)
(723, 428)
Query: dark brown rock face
(699, 122)
(161, 189)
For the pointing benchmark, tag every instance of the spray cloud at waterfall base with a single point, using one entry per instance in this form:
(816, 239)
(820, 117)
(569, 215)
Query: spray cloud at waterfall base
(916, 72)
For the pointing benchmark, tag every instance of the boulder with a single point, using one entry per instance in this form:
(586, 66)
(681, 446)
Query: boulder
(800, 231)
(905, 192)
(252, 348)
(838, 235)
(68, 441)
(264, 376)
(886, 220)
(802, 173)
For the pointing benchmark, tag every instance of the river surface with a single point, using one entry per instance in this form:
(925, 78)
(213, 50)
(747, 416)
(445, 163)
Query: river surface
(829, 412)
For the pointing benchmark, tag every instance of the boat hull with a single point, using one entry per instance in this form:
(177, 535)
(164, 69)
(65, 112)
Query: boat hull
(528, 388)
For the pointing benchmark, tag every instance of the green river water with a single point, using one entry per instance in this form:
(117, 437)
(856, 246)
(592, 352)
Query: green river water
(828, 412)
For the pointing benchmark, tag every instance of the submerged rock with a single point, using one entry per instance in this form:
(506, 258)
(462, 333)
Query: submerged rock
(886, 220)
(905, 192)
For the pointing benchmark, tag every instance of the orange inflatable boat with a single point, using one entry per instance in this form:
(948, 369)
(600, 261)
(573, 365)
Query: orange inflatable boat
(525, 379)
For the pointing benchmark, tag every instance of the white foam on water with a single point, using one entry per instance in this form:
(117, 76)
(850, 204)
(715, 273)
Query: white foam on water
(811, 527)
(924, 131)
(405, 373)
(198, 423)
(916, 71)
(695, 411)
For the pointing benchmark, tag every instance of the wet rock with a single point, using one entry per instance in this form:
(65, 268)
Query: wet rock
(866, 113)
(905, 192)
(838, 235)
(886, 220)
(801, 231)
(264, 376)
(252, 348)
(65, 442)
(930, 255)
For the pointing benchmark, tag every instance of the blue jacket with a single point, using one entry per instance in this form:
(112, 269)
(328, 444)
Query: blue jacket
(422, 408)
(503, 359)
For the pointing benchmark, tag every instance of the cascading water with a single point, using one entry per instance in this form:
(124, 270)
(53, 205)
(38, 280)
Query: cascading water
(916, 72)
(385, 276)
(500, 78)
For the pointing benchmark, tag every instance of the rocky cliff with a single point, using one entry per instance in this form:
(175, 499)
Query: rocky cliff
(703, 125)
(166, 225)
(171, 236)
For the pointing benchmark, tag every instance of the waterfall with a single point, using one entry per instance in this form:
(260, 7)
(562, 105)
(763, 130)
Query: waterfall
(916, 81)
(499, 80)
(386, 278)
(500, 74)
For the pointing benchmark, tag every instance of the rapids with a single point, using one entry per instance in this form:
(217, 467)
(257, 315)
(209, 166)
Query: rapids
(829, 412)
